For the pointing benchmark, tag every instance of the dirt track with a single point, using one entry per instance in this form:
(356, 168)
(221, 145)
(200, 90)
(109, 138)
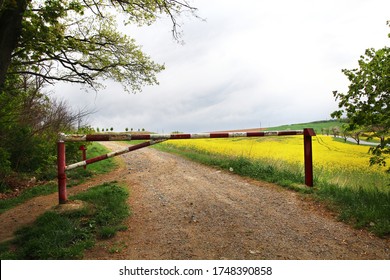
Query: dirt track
(183, 210)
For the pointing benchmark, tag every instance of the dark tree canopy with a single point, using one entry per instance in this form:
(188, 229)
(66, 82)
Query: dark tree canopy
(78, 41)
(367, 102)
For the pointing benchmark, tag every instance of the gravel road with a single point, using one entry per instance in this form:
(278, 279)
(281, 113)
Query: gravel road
(184, 210)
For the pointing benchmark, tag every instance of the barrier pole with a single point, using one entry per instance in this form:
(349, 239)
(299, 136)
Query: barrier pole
(62, 196)
(112, 154)
(84, 154)
(308, 155)
(128, 136)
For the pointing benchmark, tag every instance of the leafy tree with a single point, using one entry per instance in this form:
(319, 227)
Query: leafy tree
(368, 99)
(326, 131)
(29, 126)
(44, 41)
(356, 134)
(335, 131)
(77, 40)
(367, 102)
(344, 132)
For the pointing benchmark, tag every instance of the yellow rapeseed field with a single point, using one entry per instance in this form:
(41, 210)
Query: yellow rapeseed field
(328, 154)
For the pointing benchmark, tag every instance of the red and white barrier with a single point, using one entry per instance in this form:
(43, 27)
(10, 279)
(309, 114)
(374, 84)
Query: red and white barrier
(112, 154)
(157, 138)
(129, 136)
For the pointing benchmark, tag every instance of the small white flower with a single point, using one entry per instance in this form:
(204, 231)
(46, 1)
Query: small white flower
(231, 169)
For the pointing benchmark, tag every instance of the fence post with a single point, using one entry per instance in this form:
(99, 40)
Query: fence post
(62, 196)
(84, 152)
(308, 155)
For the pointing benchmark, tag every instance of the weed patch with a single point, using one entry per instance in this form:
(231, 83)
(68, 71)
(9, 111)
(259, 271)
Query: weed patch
(65, 235)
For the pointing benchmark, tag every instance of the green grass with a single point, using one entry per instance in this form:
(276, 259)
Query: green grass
(75, 177)
(26, 195)
(317, 126)
(363, 207)
(366, 179)
(79, 175)
(66, 235)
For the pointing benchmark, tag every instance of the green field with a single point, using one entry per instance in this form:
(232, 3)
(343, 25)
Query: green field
(317, 126)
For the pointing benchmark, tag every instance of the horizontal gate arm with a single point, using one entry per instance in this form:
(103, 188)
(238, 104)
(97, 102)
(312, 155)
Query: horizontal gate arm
(112, 154)
(129, 136)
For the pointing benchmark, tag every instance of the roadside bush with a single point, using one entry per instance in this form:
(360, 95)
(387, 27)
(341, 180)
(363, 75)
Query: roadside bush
(5, 164)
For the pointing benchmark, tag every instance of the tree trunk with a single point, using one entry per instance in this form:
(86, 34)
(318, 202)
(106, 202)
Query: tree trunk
(11, 16)
(383, 142)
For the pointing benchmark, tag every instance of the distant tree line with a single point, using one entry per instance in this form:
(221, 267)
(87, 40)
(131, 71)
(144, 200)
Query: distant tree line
(112, 129)
(345, 132)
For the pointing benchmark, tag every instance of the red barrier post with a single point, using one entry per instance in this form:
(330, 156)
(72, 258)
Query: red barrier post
(308, 155)
(62, 196)
(84, 151)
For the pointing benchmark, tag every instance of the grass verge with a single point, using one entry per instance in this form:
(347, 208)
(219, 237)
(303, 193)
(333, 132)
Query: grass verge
(75, 177)
(66, 235)
(361, 207)
(367, 207)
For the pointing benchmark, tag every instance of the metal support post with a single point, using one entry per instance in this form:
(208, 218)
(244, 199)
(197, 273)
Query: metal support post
(84, 151)
(62, 196)
(308, 155)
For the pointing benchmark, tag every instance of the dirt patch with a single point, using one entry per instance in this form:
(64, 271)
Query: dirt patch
(72, 205)
(184, 210)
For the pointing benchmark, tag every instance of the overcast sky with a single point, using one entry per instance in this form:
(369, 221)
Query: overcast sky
(251, 63)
